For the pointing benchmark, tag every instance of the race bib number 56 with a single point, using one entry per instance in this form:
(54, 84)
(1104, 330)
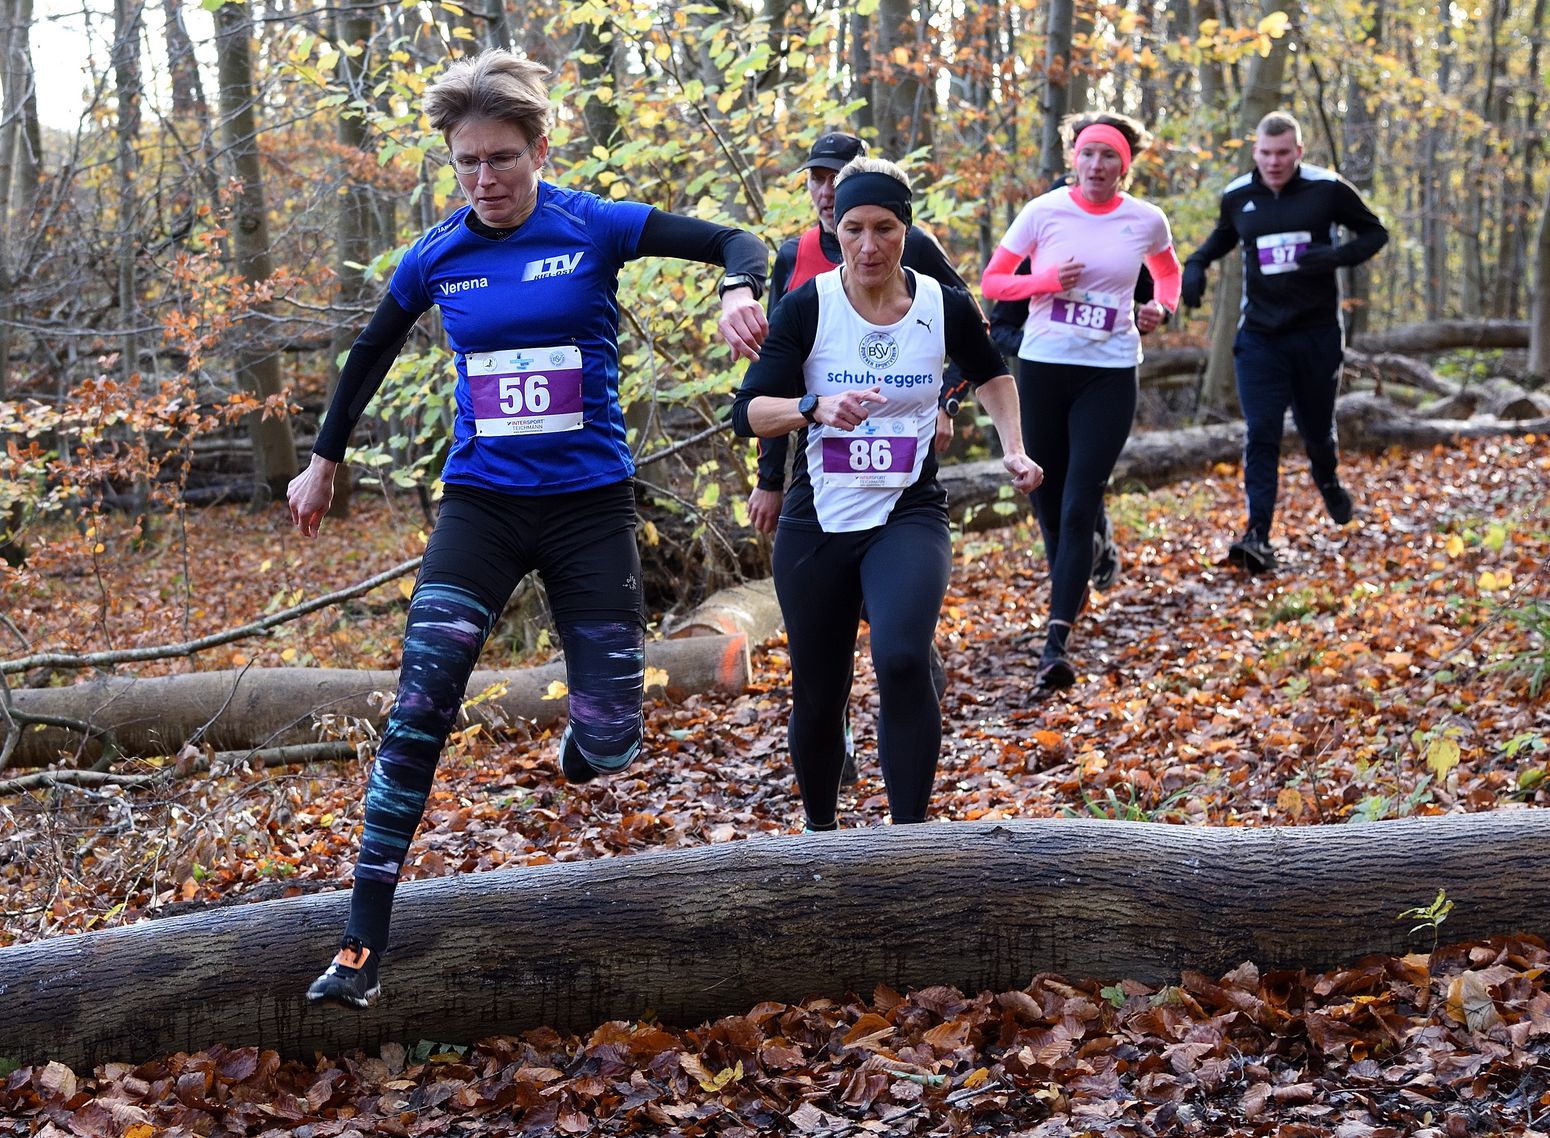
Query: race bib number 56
(528, 391)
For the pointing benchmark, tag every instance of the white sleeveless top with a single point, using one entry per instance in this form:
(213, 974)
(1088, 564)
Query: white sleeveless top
(857, 476)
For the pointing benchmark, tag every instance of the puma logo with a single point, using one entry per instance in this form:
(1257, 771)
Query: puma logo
(926, 324)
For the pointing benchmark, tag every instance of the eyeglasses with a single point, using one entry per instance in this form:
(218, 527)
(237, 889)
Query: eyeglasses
(500, 163)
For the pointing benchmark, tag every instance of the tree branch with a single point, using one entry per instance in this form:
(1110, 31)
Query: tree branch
(190, 647)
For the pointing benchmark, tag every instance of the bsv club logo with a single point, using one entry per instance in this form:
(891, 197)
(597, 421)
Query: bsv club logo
(879, 349)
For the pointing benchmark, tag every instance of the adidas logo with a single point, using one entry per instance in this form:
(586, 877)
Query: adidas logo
(1248, 207)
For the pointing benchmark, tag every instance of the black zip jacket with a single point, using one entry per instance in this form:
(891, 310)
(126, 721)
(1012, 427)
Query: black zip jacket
(1314, 202)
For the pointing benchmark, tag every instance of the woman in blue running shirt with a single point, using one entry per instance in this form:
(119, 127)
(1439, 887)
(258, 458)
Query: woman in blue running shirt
(539, 476)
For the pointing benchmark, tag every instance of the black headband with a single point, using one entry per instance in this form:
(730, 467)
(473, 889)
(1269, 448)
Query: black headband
(871, 188)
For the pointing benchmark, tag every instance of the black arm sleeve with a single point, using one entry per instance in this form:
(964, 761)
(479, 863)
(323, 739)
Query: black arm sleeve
(690, 239)
(1223, 240)
(780, 275)
(1368, 234)
(365, 367)
(968, 338)
(778, 370)
(923, 254)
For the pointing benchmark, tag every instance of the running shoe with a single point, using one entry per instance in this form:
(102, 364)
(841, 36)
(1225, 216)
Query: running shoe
(1105, 554)
(351, 979)
(1252, 552)
(1336, 501)
(1055, 675)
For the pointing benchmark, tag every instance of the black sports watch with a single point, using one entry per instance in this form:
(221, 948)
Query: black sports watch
(808, 405)
(952, 405)
(741, 280)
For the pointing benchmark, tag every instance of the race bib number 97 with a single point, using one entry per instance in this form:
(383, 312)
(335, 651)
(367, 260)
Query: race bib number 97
(1278, 252)
(529, 391)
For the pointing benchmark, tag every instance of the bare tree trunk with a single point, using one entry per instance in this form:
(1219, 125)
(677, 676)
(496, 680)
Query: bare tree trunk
(20, 157)
(1057, 92)
(902, 106)
(127, 24)
(188, 93)
(274, 449)
(1261, 96)
(1513, 253)
(353, 26)
(595, 65)
(1539, 304)
(1437, 200)
(1361, 149)
(861, 64)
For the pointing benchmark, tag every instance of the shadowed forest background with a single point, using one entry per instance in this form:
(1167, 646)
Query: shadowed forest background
(188, 253)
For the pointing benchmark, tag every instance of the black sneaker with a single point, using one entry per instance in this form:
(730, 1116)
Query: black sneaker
(1336, 501)
(351, 979)
(573, 764)
(1055, 675)
(1105, 554)
(1252, 552)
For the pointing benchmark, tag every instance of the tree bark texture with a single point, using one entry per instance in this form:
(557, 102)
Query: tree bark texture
(1261, 95)
(1539, 306)
(272, 707)
(274, 449)
(695, 934)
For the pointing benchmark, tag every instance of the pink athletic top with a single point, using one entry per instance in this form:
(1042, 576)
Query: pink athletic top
(1093, 322)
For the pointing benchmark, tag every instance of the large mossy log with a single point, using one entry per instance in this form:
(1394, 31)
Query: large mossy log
(694, 934)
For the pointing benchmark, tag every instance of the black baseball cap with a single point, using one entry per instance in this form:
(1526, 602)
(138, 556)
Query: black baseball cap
(833, 150)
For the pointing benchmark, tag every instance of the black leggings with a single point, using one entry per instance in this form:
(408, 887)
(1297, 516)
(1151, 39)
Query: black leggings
(583, 544)
(1075, 423)
(900, 571)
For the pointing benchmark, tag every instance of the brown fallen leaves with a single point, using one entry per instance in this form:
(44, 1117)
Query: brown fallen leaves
(1380, 673)
(1451, 1044)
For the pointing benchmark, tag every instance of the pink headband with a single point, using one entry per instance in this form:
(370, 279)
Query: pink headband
(1103, 132)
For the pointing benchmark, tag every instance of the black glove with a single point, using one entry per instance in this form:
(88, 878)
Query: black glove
(1318, 259)
(1194, 284)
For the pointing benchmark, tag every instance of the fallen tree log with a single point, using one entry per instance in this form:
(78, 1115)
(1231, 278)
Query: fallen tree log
(749, 609)
(273, 707)
(1445, 335)
(699, 933)
(1155, 458)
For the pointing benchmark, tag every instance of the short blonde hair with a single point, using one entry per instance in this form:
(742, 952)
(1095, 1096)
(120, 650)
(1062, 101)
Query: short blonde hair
(1278, 123)
(494, 85)
(861, 164)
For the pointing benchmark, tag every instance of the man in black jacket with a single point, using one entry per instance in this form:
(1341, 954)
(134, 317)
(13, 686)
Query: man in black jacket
(1291, 340)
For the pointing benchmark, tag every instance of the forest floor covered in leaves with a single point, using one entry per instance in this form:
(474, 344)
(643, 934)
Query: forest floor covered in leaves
(1394, 667)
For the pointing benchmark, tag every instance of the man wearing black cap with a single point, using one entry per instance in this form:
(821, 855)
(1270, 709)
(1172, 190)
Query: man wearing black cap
(816, 251)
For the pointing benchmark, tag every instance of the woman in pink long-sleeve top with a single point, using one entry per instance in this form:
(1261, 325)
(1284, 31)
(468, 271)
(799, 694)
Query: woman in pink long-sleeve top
(1077, 366)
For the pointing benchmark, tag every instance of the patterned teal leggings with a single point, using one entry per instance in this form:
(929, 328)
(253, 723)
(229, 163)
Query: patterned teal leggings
(446, 629)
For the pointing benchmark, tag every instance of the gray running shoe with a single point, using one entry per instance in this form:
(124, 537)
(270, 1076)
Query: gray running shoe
(1252, 552)
(1105, 554)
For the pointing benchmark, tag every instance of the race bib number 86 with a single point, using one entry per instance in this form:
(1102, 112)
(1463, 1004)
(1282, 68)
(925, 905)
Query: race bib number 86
(882, 460)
